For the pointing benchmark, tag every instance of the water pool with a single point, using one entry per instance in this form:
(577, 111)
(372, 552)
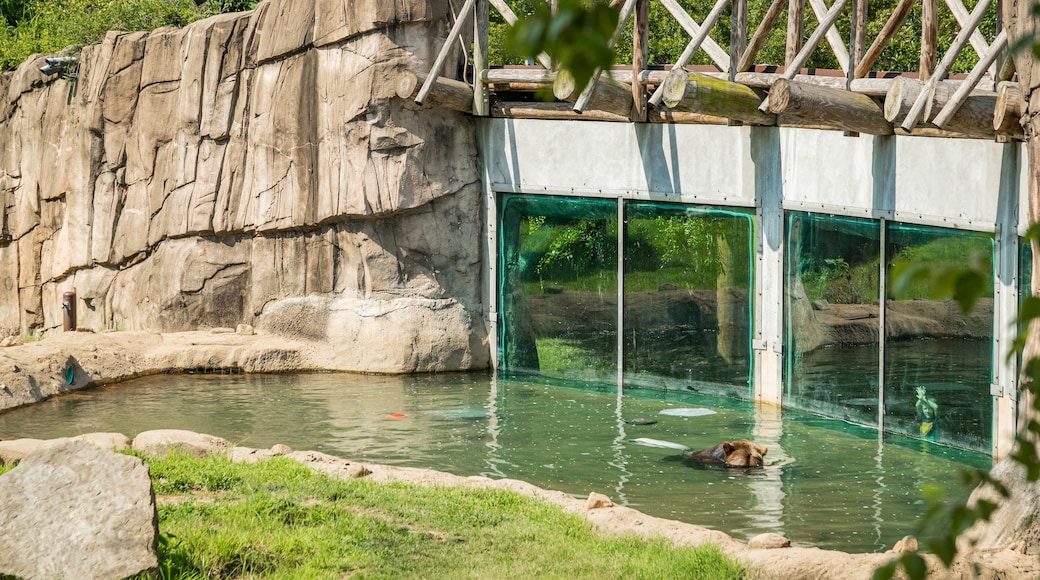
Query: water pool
(826, 483)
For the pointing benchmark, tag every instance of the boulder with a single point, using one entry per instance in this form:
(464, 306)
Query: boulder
(17, 449)
(110, 441)
(160, 442)
(73, 510)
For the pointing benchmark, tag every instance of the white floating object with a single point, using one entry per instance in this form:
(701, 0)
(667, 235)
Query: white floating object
(688, 412)
(646, 441)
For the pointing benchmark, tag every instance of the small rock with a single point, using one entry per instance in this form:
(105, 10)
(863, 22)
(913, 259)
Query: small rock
(597, 501)
(10, 341)
(355, 471)
(244, 330)
(279, 449)
(72, 510)
(907, 544)
(222, 330)
(821, 305)
(768, 541)
(161, 441)
(250, 455)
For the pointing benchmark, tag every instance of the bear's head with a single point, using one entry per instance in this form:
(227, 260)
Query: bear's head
(743, 453)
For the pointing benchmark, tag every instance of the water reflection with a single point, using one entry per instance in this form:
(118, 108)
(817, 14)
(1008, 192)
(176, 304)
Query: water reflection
(825, 483)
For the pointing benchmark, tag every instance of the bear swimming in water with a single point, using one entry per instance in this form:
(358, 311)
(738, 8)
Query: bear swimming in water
(738, 453)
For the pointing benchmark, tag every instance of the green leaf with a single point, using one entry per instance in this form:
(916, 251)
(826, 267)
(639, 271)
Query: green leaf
(914, 564)
(886, 572)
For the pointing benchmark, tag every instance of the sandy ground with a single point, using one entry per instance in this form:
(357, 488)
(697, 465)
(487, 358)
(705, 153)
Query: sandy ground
(69, 361)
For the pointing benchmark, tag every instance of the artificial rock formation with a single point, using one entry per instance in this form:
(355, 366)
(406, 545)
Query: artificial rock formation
(243, 167)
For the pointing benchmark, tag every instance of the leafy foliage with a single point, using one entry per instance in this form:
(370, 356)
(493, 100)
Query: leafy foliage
(578, 36)
(945, 521)
(52, 26)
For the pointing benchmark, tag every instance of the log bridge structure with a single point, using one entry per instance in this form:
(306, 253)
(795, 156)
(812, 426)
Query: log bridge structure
(985, 103)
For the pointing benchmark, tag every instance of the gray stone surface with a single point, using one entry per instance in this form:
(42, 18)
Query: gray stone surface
(73, 510)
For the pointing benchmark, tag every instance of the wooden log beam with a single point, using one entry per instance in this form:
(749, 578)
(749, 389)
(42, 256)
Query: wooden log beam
(608, 94)
(845, 109)
(888, 32)
(974, 118)
(444, 92)
(761, 35)
(550, 111)
(695, 93)
(1008, 111)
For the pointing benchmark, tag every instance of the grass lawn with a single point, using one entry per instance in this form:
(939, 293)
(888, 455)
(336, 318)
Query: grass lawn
(278, 519)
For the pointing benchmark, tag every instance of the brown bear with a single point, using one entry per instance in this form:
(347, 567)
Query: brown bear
(738, 453)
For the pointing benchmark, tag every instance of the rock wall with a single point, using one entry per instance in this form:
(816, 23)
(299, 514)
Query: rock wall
(250, 168)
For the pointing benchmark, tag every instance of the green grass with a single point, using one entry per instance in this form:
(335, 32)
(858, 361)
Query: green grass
(278, 519)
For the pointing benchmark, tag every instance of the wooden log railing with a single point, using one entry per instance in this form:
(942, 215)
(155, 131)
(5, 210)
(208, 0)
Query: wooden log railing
(736, 89)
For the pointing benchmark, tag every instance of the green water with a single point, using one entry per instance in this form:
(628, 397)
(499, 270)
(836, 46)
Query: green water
(826, 483)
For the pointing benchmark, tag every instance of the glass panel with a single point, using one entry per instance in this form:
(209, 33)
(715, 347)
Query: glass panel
(1025, 278)
(938, 360)
(558, 287)
(831, 316)
(688, 280)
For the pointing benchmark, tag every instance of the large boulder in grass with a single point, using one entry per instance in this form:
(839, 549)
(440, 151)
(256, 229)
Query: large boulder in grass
(160, 442)
(74, 510)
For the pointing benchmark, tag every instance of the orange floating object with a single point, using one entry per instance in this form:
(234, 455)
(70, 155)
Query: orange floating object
(396, 416)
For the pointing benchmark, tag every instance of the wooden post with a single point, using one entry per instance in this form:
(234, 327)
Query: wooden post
(699, 34)
(640, 39)
(438, 63)
(888, 31)
(1007, 113)
(737, 35)
(761, 34)
(833, 35)
(795, 30)
(950, 109)
(481, 23)
(947, 61)
(444, 92)
(859, 36)
(929, 34)
(840, 108)
(586, 94)
(694, 93)
(825, 24)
